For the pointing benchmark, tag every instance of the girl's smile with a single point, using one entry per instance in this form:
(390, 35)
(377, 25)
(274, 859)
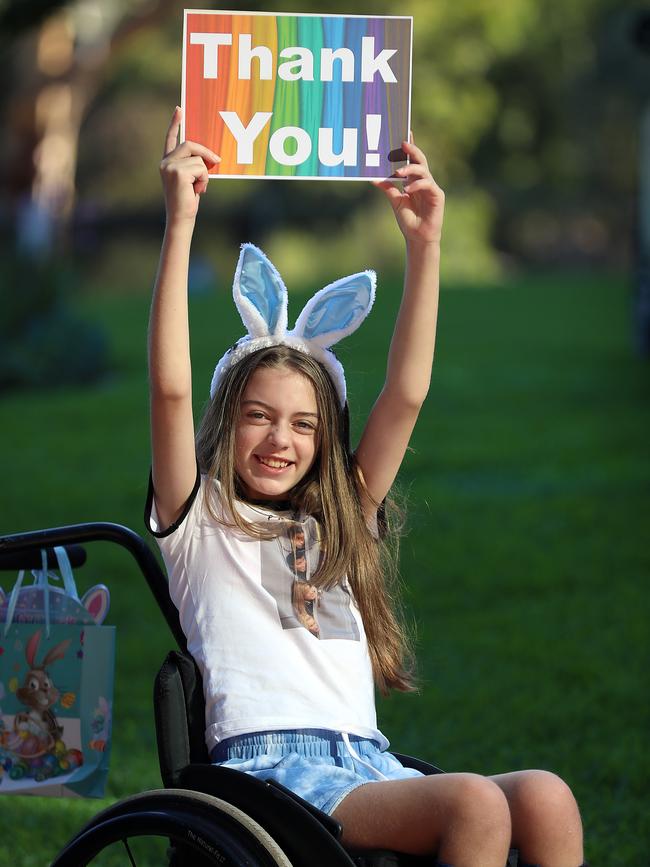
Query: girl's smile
(277, 432)
(273, 463)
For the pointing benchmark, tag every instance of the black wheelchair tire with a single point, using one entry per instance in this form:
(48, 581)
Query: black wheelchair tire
(201, 829)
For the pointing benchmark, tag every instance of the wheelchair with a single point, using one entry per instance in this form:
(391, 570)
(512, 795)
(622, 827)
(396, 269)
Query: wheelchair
(206, 815)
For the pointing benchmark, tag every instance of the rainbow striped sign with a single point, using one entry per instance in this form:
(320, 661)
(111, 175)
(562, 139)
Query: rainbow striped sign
(318, 97)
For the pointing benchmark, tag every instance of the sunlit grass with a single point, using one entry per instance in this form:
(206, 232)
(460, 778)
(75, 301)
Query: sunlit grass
(525, 567)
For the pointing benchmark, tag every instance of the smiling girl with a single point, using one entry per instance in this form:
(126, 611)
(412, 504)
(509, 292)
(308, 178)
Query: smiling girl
(269, 525)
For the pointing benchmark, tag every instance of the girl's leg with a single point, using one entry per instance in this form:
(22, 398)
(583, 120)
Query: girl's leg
(546, 826)
(463, 819)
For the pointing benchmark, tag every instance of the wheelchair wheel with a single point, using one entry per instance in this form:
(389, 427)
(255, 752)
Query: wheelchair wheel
(172, 826)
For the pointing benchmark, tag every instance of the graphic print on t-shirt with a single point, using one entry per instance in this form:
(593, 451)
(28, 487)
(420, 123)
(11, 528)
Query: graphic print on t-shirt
(287, 568)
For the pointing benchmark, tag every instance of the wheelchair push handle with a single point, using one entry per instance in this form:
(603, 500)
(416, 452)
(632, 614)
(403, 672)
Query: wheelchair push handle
(11, 561)
(18, 549)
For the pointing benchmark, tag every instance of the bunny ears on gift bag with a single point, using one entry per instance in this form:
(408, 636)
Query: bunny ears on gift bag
(261, 298)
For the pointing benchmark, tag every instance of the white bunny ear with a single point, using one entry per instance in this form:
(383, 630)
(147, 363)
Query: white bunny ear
(260, 294)
(337, 310)
(261, 298)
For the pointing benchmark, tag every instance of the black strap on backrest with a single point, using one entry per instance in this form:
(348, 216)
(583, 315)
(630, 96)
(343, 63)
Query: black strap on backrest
(179, 709)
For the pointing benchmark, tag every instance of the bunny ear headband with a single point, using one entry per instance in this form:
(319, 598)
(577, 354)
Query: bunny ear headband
(332, 314)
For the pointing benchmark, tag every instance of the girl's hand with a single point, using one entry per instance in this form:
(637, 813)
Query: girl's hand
(184, 171)
(420, 204)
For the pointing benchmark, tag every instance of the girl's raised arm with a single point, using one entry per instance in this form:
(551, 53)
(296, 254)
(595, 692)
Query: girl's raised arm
(184, 172)
(419, 210)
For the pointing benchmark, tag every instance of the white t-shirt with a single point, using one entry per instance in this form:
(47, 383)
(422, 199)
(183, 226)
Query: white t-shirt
(273, 652)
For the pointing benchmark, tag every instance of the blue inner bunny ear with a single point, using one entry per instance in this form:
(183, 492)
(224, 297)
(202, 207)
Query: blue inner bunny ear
(260, 284)
(340, 308)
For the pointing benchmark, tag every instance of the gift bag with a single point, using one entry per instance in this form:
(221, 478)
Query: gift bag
(56, 686)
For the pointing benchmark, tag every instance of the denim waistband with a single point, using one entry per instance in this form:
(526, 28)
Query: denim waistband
(305, 742)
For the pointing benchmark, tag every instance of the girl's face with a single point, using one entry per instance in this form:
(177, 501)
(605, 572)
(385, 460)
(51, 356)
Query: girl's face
(277, 432)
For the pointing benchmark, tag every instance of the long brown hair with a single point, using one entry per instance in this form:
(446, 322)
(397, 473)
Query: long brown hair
(330, 492)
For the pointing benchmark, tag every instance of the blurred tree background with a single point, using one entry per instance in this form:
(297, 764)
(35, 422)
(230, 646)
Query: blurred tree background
(528, 110)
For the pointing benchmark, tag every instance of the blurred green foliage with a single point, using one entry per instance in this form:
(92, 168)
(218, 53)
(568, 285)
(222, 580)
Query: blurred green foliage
(44, 342)
(527, 110)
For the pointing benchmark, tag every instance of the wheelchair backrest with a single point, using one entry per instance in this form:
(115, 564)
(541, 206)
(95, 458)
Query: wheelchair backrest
(179, 709)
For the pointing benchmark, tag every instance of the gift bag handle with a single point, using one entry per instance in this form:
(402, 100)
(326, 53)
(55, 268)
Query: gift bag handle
(42, 580)
(13, 599)
(66, 572)
(42, 575)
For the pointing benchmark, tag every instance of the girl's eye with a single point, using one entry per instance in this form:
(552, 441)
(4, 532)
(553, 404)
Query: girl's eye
(305, 426)
(256, 415)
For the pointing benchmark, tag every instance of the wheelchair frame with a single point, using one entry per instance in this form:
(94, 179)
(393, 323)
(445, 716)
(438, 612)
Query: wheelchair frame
(210, 815)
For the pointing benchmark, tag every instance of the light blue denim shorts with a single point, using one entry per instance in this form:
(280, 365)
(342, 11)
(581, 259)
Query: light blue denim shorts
(319, 765)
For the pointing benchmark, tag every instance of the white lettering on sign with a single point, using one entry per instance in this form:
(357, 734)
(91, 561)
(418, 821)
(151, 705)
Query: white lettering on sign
(277, 145)
(246, 55)
(327, 58)
(371, 63)
(347, 156)
(297, 70)
(300, 69)
(211, 41)
(245, 136)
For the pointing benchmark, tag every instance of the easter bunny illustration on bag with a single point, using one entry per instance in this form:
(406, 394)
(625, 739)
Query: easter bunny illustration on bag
(39, 694)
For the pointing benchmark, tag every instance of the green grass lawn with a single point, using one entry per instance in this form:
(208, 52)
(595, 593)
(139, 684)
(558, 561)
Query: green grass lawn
(525, 564)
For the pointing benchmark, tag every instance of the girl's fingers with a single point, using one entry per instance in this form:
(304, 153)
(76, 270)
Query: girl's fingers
(416, 172)
(189, 165)
(199, 175)
(391, 191)
(200, 171)
(412, 170)
(414, 153)
(187, 148)
(193, 149)
(189, 153)
(172, 132)
(423, 184)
